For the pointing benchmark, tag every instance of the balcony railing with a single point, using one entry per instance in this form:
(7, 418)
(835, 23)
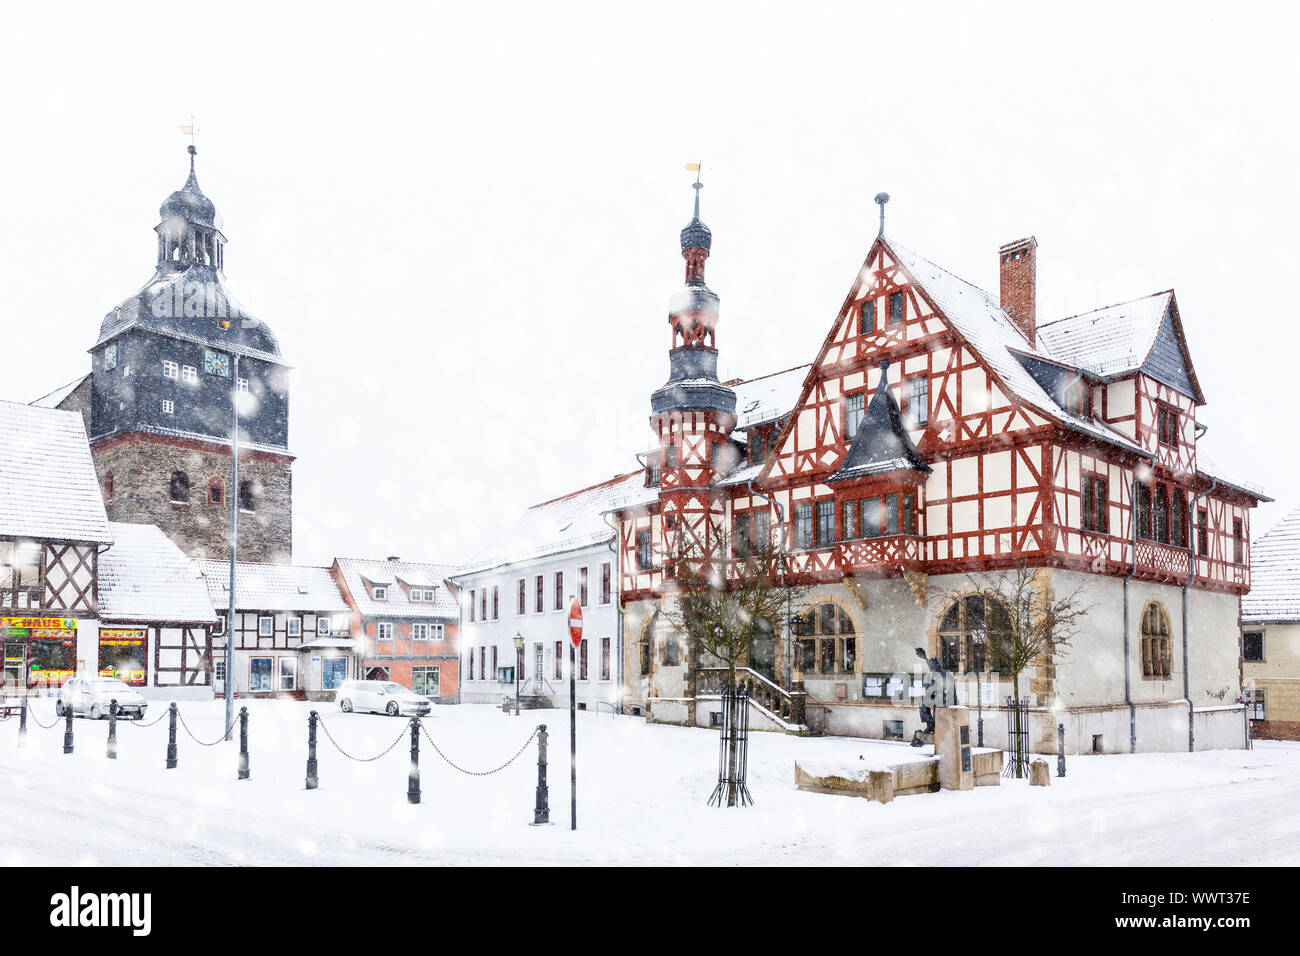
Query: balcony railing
(1163, 562)
(891, 553)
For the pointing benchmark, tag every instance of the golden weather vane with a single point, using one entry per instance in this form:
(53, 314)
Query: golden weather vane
(190, 130)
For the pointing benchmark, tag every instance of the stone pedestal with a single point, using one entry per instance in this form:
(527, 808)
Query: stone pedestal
(1039, 775)
(952, 745)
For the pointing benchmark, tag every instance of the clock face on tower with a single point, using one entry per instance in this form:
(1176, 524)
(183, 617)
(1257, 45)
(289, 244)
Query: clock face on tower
(216, 363)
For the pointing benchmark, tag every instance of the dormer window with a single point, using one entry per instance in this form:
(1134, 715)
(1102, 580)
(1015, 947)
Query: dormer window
(1078, 400)
(380, 592)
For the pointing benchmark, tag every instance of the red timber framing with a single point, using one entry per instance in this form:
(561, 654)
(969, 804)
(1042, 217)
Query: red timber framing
(1007, 480)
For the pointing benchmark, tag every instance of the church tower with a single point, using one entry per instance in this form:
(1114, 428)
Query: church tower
(693, 413)
(170, 364)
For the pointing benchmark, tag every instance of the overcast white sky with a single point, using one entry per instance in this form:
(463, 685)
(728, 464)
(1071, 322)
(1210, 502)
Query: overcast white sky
(461, 219)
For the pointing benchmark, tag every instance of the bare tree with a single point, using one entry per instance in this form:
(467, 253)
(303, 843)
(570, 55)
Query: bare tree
(724, 605)
(1023, 622)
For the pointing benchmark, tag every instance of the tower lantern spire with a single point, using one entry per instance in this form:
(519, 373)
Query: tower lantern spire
(696, 237)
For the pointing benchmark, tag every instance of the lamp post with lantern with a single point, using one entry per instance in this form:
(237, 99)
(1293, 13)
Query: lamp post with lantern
(519, 667)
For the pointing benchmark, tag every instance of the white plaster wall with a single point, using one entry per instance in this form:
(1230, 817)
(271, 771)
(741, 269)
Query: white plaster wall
(599, 621)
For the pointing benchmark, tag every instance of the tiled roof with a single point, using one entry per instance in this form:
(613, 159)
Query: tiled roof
(768, 397)
(272, 587)
(979, 319)
(144, 576)
(354, 570)
(54, 398)
(1275, 575)
(1108, 341)
(48, 487)
(563, 524)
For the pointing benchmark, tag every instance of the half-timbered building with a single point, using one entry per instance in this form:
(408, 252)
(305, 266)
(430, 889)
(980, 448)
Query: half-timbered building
(81, 594)
(155, 620)
(941, 435)
(290, 632)
(403, 618)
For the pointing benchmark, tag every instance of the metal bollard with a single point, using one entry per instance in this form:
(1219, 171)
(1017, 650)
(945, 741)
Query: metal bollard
(112, 729)
(542, 809)
(67, 732)
(312, 780)
(171, 737)
(413, 781)
(243, 743)
(1060, 750)
(22, 722)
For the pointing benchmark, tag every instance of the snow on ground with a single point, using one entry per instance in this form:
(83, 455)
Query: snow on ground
(641, 799)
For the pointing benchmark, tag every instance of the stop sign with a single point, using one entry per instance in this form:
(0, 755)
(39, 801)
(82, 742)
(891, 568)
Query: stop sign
(575, 622)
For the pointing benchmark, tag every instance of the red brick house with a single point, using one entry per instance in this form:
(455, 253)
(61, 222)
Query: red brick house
(404, 616)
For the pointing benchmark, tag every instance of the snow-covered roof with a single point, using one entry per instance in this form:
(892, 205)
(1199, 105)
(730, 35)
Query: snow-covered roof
(1274, 575)
(979, 319)
(144, 576)
(272, 587)
(1111, 340)
(48, 487)
(563, 524)
(356, 571)
(56, 397)
(768, 397)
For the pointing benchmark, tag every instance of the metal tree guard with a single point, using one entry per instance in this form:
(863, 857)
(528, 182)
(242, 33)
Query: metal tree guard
(733, 750)
(1017, 737)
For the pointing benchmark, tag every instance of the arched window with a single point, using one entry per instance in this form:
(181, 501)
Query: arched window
(828, 643)
(249, 492)
(180, 487)
(966, 632)
(1157, 646)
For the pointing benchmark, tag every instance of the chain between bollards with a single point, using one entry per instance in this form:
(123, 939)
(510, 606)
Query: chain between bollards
(1060, 750)
(171, 737)
(413, 780)
(243, 743)
(112, 729)
(542, 809)
(312, 780)
(22, 723)
(67, 731)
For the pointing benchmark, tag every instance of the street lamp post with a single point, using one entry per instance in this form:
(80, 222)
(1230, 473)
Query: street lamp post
(519, 667)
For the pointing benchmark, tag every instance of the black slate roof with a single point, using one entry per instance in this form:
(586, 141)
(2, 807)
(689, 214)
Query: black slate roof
(201, 290)
(882, 444)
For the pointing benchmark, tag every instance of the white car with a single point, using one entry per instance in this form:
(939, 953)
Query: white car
(381, 697)
(94, 695)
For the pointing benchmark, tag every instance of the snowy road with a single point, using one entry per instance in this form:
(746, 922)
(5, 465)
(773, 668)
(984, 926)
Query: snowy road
(641, 789)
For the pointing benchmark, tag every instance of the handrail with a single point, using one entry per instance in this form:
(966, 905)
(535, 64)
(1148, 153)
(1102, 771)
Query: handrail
(749, 670)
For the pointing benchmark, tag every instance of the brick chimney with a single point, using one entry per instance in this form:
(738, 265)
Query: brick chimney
(1019, 283)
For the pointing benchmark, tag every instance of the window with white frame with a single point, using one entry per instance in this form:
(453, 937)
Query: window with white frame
(265, 626)
(168, 406)
(424, 681)
(189, 373)
(171, 369)
(437, 632)
(243, 385)
(295, 627)
(384, 631)
(381, 592)
(221, 625)
(323, 625)
(419, 632)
